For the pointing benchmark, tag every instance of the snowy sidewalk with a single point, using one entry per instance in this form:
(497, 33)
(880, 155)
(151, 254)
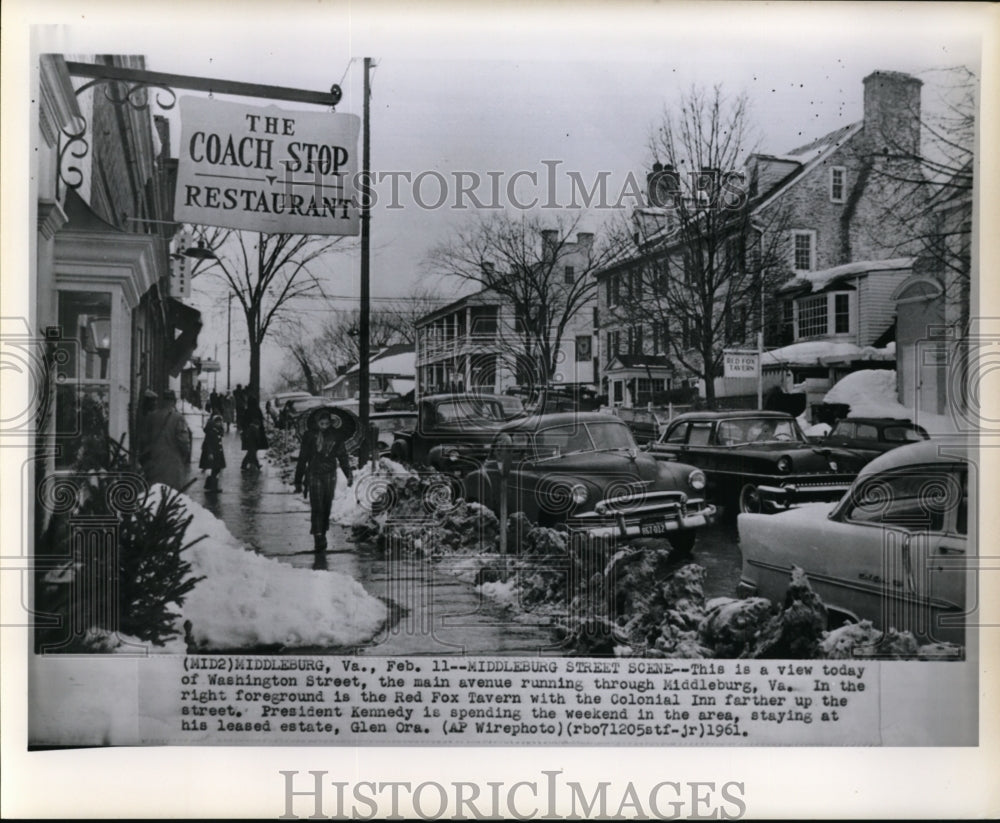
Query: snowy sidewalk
(428, 610)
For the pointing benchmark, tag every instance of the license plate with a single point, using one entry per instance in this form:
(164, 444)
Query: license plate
(652, 527)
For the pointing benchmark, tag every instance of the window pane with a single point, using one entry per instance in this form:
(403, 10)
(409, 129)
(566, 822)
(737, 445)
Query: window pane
(842, 315)
(866, 432)
(803, 251)
(917, 499)
(812, 316)
(678, 434)
(562, 439)
(699, 435)
(85, 321)
(845, 430)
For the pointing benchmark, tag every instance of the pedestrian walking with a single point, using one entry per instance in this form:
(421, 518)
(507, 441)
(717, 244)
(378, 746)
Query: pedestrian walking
(213, 458)
(166, 444)
(252, 433)
(322, 450)
(228, 410)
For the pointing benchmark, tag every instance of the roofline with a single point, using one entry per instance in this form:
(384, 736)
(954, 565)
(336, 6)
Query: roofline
(433, 315)
(851, 132)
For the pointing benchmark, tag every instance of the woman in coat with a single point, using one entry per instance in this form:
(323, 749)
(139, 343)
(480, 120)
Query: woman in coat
(252, 433)
(213, 458)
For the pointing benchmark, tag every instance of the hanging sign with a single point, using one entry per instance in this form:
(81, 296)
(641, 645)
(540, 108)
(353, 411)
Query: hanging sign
(180, 267)
(266, 169)
(741, 364)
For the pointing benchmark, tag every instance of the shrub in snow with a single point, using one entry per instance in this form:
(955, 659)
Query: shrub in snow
(664, 617)
(145, 569)
(731, 627)
(795, 632)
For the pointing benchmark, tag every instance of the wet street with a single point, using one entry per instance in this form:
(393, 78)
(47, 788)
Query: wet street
(428, 610)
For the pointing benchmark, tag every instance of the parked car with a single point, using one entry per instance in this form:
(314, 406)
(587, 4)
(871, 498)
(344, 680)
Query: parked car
(585, 471)
(388, 423)
(868, 437)
(453, 431)
(647, 425)
(757, 461)
(891, 551)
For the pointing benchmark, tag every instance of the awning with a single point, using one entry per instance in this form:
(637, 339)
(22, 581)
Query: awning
(180, 347)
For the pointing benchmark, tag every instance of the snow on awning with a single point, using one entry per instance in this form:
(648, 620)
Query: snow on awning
(819, 280)
(824, 353)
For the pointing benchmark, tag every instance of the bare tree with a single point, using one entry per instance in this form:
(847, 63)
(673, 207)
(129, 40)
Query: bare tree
(316, 355)
(694, 266)
(265, 272)
(523, 262)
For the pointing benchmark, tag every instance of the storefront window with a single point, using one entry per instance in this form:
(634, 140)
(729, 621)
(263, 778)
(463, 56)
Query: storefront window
(83, 393)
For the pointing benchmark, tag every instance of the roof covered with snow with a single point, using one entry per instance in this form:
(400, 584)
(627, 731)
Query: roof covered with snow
(819, 280)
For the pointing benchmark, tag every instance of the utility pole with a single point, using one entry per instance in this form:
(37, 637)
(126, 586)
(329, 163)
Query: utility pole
(229, 341)
(363, 330)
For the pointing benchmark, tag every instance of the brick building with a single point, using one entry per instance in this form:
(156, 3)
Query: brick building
(821, 206)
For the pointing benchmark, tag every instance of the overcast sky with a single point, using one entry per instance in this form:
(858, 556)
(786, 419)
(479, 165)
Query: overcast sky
(575, 83)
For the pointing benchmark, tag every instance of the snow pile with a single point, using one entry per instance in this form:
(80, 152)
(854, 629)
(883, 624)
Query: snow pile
(247, 600)
(819, 430)
(872, 393)
(377, 487)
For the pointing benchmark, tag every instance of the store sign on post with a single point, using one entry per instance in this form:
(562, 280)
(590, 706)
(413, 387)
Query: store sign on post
(266, 169)
(741, 364)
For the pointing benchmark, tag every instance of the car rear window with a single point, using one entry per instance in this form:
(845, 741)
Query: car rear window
(866, 432)
(902, 434)
(844, 430)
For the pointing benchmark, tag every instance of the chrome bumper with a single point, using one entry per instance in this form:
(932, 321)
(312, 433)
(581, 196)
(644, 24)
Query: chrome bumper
(795, 493)
(622, 527)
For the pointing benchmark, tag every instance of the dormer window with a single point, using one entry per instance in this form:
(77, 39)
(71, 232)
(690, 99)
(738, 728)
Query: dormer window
(838, 184)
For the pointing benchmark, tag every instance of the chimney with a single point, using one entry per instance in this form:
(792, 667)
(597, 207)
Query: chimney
(892, 113)
(550, 240)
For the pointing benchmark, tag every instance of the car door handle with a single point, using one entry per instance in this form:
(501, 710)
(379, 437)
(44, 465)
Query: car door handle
(950, 550)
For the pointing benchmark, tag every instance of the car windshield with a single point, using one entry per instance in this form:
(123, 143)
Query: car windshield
(581, 437)
(743, 430)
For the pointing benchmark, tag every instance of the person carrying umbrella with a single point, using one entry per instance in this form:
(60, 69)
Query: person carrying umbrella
(323, 449)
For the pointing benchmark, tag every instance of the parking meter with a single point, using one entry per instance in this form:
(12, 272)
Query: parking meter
(504, 454)
(504, 446)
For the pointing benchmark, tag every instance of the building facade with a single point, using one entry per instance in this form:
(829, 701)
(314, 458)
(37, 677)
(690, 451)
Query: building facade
(477, 342)
(103, 260)
(818, 207)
